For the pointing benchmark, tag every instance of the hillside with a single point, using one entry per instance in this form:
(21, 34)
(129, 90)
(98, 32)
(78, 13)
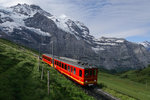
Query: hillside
(20, 80)
(140, 75)
(131, 85)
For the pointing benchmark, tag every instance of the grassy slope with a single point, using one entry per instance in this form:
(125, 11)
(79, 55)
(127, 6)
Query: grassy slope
(140, 75)
(122, 88)
(20, 80)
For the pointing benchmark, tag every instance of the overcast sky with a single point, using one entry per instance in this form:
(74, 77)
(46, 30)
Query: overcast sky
(128, 19)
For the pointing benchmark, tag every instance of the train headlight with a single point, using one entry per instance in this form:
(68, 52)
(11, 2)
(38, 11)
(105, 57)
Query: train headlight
(94, 80)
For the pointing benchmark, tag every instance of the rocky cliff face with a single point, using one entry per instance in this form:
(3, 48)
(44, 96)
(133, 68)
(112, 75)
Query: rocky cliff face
(36, 28)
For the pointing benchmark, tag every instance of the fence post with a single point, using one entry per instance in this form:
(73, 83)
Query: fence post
(42, 73)
(38, 63)
(48, 82)
(146, 84)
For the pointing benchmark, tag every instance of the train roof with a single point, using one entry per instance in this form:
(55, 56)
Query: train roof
(72, 62)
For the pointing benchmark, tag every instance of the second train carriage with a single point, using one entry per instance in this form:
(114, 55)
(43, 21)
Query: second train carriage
(79, 72)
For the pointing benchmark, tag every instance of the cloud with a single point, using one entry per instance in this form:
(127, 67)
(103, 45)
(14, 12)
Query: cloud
(117, 18)
(129, 33)
(7, 3)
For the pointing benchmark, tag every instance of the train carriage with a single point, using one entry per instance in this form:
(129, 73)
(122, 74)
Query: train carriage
(80, 72)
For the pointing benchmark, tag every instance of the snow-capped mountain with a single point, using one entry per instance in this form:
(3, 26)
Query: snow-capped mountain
(15, 15)
(33, 27)
(146, 44)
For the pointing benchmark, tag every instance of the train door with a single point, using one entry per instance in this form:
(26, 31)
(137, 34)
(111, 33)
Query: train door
(71, 72)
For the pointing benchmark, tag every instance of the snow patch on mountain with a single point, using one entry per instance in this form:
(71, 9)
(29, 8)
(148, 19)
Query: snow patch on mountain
(18, 13)
(64, 17)
(110, 39)
(146, 44)
(9, 26)
(38, 31)
(97, 49)
(60, 22)
(28, 10)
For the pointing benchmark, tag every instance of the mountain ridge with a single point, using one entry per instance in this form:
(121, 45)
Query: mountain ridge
(33, 27)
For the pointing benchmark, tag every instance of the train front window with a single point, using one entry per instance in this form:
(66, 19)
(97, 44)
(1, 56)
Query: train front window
(90, 72)
(95, 72)
(80, 73)
(86, 73)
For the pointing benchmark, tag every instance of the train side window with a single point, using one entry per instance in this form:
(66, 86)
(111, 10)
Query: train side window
(90, 72)
(59, 64)
(86, 73)
(80, 73)
(68, 68)
(62, 65)
(94, 72)
(74, 71)
(65, 66)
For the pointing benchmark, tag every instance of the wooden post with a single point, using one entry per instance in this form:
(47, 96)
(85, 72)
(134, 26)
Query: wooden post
(53, 53)
(39, 59)
(42, 73)
(48, 82)
(146, 84)
(38, 64)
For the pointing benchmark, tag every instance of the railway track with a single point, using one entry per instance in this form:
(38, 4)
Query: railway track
(97, 93)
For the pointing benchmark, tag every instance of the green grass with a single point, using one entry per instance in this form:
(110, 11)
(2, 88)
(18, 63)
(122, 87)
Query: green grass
(125, 89)
(20, 80)
(140, 75)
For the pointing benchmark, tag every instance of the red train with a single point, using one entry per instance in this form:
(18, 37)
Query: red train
(79, 72)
